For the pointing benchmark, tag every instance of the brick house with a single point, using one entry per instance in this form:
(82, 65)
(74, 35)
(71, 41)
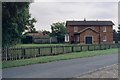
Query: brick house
(90, 32)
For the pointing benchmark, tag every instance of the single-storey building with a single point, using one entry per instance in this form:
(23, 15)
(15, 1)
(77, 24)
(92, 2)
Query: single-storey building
(90, 32)
(42, 38)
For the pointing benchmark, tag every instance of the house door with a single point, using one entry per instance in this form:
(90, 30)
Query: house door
(88, 40)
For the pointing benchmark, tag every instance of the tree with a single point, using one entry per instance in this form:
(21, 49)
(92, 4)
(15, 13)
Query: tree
(46, 32)
(59, 31)
(119, 33)
(15, 20)
(26, 39)
(115, 36)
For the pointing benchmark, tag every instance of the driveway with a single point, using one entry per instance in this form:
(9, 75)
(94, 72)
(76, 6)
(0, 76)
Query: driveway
(61, 69)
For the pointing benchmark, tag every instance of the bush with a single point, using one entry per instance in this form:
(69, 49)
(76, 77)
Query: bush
(27, 39)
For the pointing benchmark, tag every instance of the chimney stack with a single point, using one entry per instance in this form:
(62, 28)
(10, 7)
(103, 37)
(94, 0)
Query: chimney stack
(84, 19)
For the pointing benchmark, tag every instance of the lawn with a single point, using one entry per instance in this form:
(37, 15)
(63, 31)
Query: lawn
(45, 59)
(37, 45)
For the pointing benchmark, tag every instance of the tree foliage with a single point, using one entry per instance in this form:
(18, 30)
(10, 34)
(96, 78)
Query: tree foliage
(59, 31)
(115, 36)
(45, 32)
(119, 33)
(15, 20)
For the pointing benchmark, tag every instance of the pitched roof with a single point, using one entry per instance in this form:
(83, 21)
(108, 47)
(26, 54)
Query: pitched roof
(89, 23)
(38, 35)
(88, 28)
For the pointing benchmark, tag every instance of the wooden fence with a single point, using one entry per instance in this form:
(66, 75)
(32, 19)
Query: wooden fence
(31, 52)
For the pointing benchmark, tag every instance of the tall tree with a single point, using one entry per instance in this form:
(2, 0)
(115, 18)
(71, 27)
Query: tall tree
(45, 32)
(15, 20)
(115, 36)
(59, 31)
(119, 33)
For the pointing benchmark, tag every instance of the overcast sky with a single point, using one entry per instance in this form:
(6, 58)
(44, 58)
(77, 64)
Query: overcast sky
(47, 13)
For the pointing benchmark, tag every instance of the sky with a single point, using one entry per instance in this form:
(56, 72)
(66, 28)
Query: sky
(47, 13)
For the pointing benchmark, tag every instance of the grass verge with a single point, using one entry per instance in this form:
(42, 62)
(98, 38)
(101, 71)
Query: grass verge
(45, 59)
(38, 45)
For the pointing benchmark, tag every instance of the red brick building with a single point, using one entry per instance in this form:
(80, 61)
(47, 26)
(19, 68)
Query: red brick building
(90, 32)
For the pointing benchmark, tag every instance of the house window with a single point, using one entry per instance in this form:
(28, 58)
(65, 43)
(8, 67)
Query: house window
(75, 29)
(104, 39)
(104, 29)
(66, 38)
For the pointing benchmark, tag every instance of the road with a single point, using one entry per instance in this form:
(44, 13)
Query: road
(61, 69)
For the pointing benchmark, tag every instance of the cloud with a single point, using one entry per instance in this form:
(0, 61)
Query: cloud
(47, 13)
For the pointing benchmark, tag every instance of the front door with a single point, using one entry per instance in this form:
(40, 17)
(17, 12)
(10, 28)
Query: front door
(88, 40)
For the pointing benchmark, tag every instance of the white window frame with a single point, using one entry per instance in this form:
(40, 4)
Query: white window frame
(104, 29)
(66, 38)
(75, 29)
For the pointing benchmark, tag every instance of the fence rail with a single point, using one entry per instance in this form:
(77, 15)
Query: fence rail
(32, 52)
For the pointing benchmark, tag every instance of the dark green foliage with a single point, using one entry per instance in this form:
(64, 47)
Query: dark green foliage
(59, 31)
(15, 20)
(115, 36)
(46, 32)
(27, 39)
(119, 33)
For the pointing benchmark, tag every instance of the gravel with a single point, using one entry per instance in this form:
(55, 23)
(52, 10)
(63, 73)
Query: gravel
(106, 72)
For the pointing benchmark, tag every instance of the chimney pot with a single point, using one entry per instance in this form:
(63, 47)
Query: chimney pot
(84, 19)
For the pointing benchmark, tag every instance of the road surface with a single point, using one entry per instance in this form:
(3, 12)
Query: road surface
(61, 69)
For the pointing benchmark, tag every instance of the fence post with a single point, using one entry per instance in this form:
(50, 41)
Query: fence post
(23, 53)
(39, 51)
(51, 50)
(109, 46)
(81, 48)
(6, 54)
(94, 47)
(118, 46)
(55, 49)
(105, 47)
(63, 50)
(72, 48)
(100, 47)
(35, 53)
(17, 56)
(88, 47)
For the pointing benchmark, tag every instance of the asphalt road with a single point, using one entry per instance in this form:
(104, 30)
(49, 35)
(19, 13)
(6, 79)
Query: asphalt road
(61, 69)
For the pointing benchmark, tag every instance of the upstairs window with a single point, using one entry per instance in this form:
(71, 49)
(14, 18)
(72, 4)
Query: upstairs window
(104, 29)
(75, 29)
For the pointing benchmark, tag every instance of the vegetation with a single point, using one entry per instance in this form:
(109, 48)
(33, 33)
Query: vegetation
(59, 31)
(15, 20)
(37, 45)
(45, 32)
(115, 36)
(26, 39)
(25, 52)
(119, 33)
(45, 59)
